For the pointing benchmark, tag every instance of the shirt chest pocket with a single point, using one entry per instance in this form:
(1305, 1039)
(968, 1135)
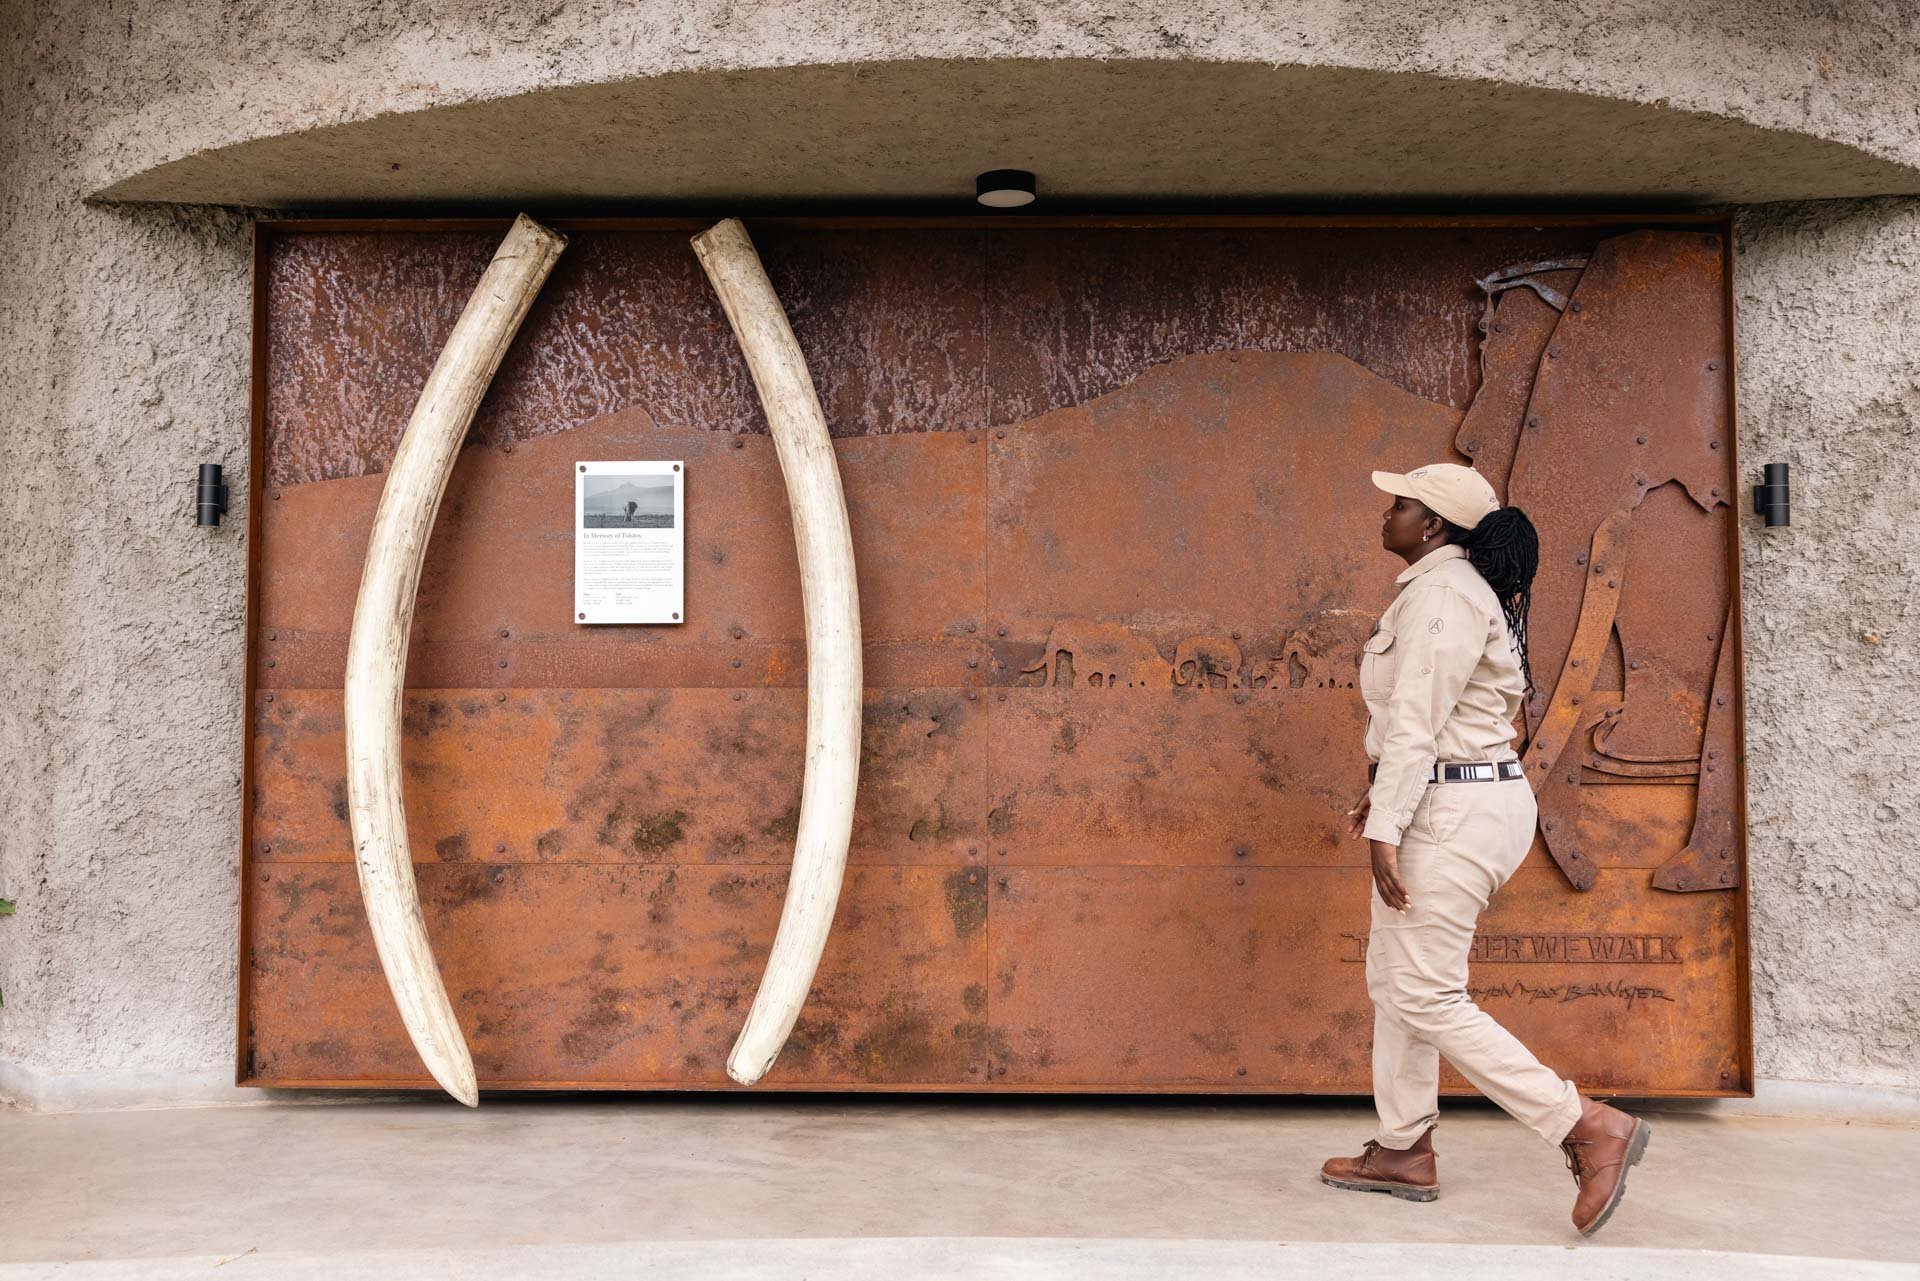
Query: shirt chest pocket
(1378, 659)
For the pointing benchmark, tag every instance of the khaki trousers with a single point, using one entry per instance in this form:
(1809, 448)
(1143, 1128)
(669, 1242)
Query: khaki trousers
(1464, 841)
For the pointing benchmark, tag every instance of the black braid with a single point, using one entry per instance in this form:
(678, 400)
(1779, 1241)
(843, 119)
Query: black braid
(1506, 551)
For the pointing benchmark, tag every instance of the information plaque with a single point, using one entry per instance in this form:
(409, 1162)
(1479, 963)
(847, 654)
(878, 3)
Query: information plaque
(629, 542)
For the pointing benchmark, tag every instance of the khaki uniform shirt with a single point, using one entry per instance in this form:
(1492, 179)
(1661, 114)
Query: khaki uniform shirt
(1441, 681)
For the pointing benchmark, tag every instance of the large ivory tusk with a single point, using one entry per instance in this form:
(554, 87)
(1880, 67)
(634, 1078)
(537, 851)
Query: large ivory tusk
(831, 600)
(377, 650)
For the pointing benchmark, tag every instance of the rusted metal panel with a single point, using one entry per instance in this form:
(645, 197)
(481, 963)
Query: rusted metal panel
(603, 975)
(1183, 978)
(1711, 859)
(1178, 777)
(496, 593)
(1117, 553)
(678, 776)
(1216, 495)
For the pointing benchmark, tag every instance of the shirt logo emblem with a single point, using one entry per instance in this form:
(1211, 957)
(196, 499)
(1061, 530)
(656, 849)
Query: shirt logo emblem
(1437, 625)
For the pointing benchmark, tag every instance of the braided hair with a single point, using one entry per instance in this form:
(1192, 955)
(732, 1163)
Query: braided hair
(1506, 551)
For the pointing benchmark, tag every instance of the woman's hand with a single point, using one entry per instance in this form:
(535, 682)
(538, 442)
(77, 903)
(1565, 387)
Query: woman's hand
(1357, 816)
(1386, 875)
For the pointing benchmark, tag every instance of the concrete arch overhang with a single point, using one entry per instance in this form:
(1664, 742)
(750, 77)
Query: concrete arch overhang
(1094, 129)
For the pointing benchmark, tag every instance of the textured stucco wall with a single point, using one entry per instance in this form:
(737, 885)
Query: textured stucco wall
(1829, 350)
(126, 339)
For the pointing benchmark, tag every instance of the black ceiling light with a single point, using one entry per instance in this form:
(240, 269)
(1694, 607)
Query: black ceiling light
(1004, 188)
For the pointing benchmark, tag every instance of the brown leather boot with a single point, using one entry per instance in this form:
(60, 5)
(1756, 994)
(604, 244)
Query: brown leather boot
(1412, 1175)
(1600, 1148)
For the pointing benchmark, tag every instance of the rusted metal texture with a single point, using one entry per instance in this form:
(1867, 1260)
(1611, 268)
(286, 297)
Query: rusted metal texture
(1117, 552)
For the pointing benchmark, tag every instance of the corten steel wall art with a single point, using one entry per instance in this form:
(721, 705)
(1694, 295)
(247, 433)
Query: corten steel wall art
(1116, 553)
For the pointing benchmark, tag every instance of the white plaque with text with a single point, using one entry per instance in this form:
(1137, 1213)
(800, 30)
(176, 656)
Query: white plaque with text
(629, 542)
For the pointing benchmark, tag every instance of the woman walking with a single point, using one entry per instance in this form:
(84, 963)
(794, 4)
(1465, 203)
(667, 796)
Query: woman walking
(1449, 816)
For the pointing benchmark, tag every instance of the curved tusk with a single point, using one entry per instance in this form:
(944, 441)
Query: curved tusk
(831, 600)
(377, 650)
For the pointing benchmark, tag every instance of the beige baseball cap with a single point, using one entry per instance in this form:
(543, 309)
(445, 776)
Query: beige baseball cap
(1460, 494)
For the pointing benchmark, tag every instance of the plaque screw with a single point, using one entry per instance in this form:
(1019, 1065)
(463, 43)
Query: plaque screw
(737, 632)
(499, 847)
(738, 443)
(269, 698)
(972, 627)
(973, 438)
(736, 662)
(1712, 365)
(1534, 421)
(1613, 582)
(1239, 880)
(973, 662)
(737, 696)
(1641, 439)
(501, 697)
(1003, 698)
(504, 633)
(503, 662)
(971, 696)
(273, 635)
(273, 662)
(1553, 352)
(1000, 435)
(1574, 306)
(1239, 1071)
(1002, 631)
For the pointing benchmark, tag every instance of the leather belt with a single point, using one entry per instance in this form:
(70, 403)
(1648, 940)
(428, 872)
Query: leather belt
(1478, 772)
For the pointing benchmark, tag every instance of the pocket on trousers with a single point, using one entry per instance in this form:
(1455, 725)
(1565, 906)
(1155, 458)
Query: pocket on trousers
(1448, 809)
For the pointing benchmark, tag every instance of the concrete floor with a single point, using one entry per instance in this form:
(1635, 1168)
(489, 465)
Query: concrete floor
(785, 1187)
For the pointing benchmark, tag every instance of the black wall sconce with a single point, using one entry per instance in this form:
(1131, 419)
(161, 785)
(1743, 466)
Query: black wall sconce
(1770, 496)
(210, 496)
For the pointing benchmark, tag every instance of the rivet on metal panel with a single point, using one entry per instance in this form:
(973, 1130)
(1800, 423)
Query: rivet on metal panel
(1553, 352)
(1473, 446)
(1000, 435)
(1239, 698)
(973, 662)
(1003, 698)
(1640, 438)
(269, 697)
(499, 847)
(1713, 444)
(1635, 664)
(1239, 1071)
(973, 878)
(273, 662)
(739, 443)
(971, 696)
(737, 696)
(736, 662)
(273, 635)
(973, 851)
(276, 495)
(506, 449)
(499, 875)
(503, 662)
(1236, 635)
(972, 627)
(736, 632)
(501, 697)
(1548, 824)
(1573, 778)
(1239, 880)
(504, 633)
(1241, 851)
(1576, 700)
(1533, 420)
(265, 848)
(1720, 701)
(1575, 662)
(1712, 365)
(1613, 582)
(1574, 306)
(1002, 852)
(973, 438)
(1713, 493)
(1581, 559)
(1003, 631)
(266, 876)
